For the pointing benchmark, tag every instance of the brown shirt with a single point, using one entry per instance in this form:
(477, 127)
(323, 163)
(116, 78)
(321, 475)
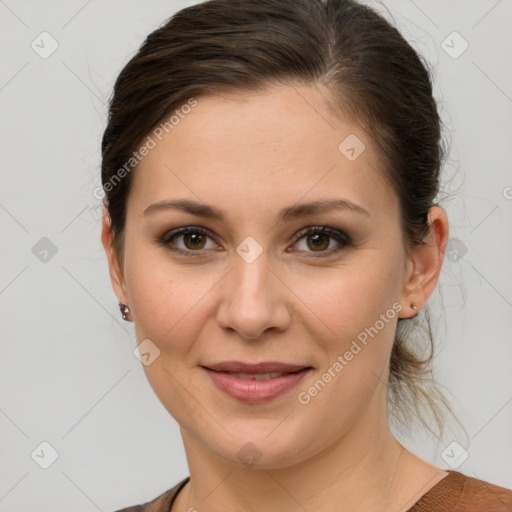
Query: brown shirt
(454, 493)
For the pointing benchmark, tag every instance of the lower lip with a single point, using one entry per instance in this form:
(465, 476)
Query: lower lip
(255, 391)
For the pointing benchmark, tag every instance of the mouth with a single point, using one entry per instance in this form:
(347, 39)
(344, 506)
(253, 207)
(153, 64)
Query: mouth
(256, 376)
(256, 383)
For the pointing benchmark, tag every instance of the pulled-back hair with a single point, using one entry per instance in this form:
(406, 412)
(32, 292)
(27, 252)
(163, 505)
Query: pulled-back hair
(371, 75)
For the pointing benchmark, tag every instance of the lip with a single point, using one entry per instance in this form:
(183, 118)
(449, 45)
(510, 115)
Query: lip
(253, 391)
(263, 367)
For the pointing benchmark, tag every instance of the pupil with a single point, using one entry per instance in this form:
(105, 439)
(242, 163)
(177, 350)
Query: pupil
(318, 239)
(195, 238)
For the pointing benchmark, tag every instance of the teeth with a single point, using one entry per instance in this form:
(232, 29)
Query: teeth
(257, 376)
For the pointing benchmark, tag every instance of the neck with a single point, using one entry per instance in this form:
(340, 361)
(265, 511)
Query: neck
(367, 469)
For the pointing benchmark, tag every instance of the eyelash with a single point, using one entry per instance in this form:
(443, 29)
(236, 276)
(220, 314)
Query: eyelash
(338, 235)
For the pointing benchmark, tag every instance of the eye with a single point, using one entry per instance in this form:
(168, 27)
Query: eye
(190, 241)
(318, 239)
(193, 239)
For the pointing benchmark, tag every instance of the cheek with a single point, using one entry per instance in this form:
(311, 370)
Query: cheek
(169, 306)
(169, 311)
(164, 299)
(354, 323)
(351, 298)
(357, 309)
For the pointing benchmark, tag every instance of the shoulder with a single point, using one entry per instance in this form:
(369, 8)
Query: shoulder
(479, 495)
(461, 493)
(161, 503)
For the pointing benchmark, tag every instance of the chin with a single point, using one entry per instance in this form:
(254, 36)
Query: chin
(269, 447)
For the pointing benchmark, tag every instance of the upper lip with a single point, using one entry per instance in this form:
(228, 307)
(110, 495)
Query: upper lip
(263, 367)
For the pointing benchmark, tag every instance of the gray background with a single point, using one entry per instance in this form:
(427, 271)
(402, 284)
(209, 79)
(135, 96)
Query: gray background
(67, 369)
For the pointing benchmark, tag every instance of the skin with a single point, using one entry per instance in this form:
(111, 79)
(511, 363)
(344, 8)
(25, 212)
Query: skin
(252, 155)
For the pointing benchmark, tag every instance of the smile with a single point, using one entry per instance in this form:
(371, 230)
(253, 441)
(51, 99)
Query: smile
(256, 388)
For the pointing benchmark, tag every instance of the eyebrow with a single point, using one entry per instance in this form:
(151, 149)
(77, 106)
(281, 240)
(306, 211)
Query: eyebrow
(286, 214)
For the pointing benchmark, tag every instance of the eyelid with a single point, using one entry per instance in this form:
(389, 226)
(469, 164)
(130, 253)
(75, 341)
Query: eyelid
(333, 232)
(340, 236)
(167, 237)
(337, 234)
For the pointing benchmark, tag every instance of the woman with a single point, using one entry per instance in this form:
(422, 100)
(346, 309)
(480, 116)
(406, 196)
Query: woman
(270, 171)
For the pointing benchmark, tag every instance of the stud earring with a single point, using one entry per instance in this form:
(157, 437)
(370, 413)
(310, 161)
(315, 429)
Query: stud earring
(414, 306)
(125, 311)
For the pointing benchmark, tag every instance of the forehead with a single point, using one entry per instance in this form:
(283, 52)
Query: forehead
(266, 148)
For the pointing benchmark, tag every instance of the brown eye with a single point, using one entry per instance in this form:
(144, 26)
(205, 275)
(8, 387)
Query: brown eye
(318, 241)
(194, 240)
(323, 240)
(188, 241)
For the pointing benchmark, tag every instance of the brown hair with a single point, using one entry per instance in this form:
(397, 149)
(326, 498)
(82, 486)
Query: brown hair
(372, 76)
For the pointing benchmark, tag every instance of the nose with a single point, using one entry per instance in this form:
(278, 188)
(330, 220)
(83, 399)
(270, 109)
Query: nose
(254, 300)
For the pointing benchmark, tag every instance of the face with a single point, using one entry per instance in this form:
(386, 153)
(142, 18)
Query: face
(275, 279)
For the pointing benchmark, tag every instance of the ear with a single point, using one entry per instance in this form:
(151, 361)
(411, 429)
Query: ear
(115, 270)
(425, 263)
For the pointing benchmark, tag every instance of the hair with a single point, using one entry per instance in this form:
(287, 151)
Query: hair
(369, 74)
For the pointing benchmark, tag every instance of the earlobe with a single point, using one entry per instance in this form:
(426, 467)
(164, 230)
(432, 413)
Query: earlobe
(115, 271)
(425, 263)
